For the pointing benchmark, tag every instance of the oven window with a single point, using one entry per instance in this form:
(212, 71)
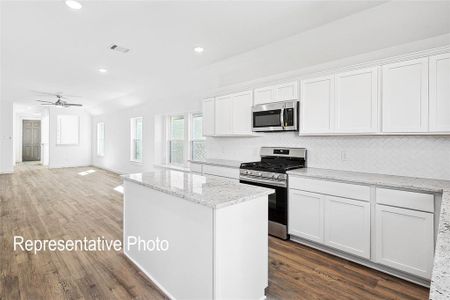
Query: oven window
(269, 118)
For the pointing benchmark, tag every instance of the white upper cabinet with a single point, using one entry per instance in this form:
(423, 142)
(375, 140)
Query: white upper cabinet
(286, 91)
(405, 96)
(356, 101)
(208, 117)
(317, 105)
(233, 114)
(264, 95)
(224, 115)
(440, 93)
(242, 113)
(275, 93)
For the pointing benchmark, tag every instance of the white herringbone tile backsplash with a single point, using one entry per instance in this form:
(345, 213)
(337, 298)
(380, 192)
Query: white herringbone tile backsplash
(417, 156)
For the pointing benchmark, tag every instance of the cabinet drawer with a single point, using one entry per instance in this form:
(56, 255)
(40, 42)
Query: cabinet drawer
(221, 171)
(354, 191)
(411, 200)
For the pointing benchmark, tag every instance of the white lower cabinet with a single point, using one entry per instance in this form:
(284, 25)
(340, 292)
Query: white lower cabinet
(347, 225)
(398, 235)
(306, 215)
(405, 240)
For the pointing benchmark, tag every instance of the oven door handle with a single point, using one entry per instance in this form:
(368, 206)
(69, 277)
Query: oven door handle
(282, 117)
(262, 181)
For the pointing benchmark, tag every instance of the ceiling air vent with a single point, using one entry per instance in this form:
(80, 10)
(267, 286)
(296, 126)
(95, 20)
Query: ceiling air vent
(118, 48)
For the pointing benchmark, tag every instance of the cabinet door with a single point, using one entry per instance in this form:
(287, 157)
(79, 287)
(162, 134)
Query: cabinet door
(306, 215)
(264, 95)
(356, 104)
(405, 240)
(208, 117)
(347, 225)
(242, 113)
(316, 105)
(440, 93)
(224, 115)
(405, 96)
(286, 91)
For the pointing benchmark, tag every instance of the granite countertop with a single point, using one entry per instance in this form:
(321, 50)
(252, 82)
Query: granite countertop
(440, 281)
(210, 191)
(218, 162)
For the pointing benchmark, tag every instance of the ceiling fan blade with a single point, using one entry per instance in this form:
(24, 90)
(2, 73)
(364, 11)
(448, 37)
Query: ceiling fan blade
(45, 101)
(47, 104)
(72, 104)
(70, 96)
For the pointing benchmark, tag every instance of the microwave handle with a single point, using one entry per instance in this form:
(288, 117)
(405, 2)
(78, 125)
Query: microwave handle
(282, 117)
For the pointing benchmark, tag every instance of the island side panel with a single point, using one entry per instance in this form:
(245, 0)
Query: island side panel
(241, 250)
(185, 271)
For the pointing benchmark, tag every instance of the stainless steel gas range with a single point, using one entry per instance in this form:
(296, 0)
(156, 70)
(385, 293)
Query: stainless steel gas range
(270, 172)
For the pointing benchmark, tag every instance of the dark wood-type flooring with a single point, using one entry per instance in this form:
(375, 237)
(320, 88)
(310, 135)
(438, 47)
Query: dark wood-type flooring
(38, 203)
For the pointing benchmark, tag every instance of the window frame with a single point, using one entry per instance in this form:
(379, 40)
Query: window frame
(133, 132)
(187, 141)
(191, 133)
(169, 139)
(102, 152)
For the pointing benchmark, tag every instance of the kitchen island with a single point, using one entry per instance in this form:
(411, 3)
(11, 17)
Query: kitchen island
(215, 228)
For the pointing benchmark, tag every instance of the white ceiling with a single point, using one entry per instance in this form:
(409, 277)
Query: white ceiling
(48, 47)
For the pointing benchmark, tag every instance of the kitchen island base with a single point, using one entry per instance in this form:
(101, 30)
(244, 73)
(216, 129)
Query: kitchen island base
(213, 253)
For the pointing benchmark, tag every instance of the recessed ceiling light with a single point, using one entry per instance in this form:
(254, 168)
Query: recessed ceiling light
(102, 70)
(199, 49)
(73, 4)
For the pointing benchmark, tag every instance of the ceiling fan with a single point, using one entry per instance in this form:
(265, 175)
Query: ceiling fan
(60, 100)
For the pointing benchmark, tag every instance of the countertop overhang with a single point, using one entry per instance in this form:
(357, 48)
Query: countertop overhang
(208, 190)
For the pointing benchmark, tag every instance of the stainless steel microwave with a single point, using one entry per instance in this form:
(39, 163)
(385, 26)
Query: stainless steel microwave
(278, 116)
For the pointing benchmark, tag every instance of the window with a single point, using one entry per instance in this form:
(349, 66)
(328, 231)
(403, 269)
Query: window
(136, 139)
(100, 139)
(67, 130)
(197, 139)
(176, 140)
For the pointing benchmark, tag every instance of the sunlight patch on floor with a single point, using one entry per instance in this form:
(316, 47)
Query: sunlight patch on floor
(119, 189)
(84, 173)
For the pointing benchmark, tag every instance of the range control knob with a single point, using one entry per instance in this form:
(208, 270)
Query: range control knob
(275, 176)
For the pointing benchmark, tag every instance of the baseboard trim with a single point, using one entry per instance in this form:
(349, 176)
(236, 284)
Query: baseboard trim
(362, 261)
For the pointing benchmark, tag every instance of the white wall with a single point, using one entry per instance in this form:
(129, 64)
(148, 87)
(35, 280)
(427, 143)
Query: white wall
(413, 24)
(117, 134)
(6, 137)
(70, 155)
(45, 136)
